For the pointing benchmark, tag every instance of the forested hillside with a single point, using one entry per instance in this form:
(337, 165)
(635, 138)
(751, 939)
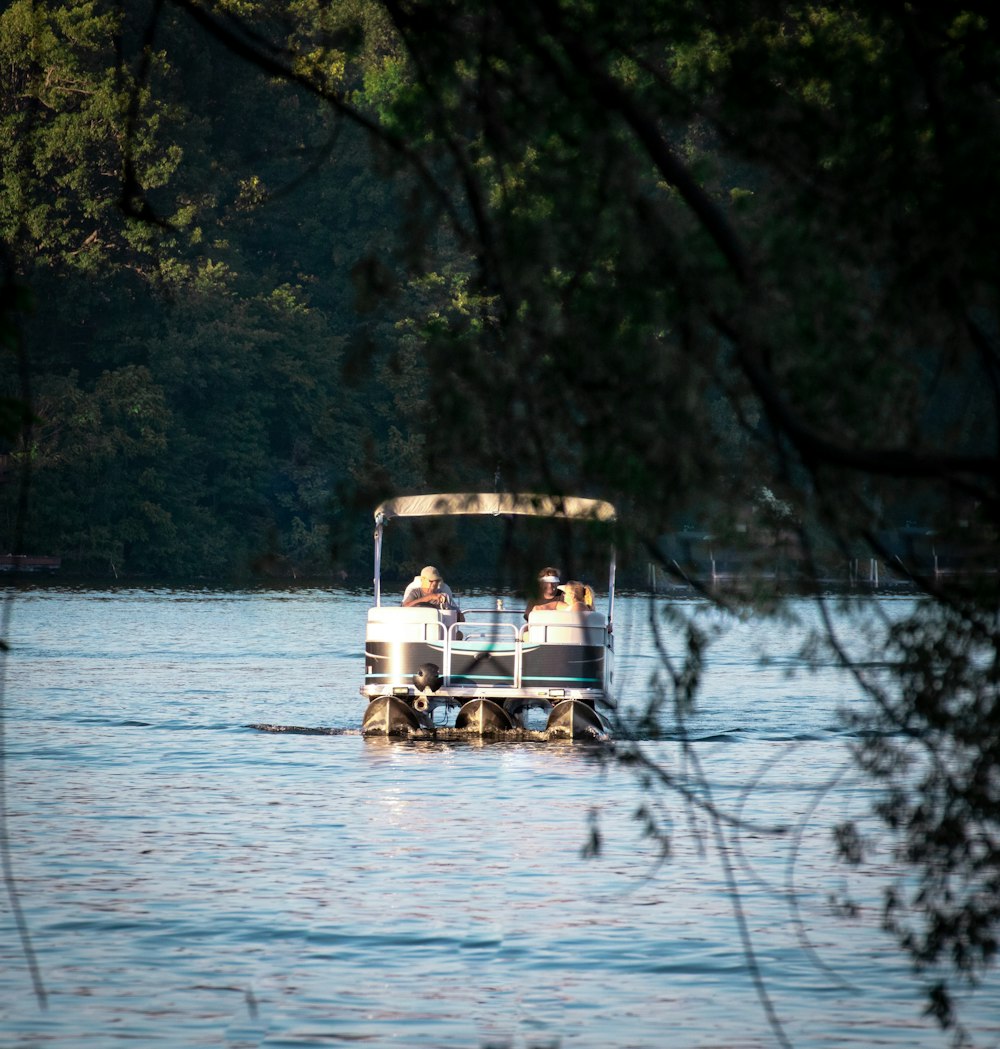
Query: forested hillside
(257, 304)
(204, 358)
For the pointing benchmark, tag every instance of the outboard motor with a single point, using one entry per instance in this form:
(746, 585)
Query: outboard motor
(427, 678)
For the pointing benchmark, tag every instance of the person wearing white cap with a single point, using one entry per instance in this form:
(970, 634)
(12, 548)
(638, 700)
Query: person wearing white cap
(548, 594)
(429, 589)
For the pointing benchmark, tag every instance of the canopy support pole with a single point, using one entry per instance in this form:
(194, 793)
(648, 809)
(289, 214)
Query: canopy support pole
(378, 560)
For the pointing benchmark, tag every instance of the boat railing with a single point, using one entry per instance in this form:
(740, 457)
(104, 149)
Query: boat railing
(491, 625)
(491, 646)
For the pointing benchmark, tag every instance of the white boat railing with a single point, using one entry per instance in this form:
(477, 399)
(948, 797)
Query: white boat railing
(485, 634)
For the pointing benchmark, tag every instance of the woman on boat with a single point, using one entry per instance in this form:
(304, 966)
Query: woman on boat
(574, 597)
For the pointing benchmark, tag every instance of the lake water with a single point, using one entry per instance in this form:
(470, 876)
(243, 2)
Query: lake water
(191, 881)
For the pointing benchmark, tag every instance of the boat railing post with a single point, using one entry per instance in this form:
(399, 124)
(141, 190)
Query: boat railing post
(449, 638)
(519, 654)
(611, 587)
(378, 561)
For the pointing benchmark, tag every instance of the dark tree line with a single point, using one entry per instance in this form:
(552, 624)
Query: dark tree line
(188, 239)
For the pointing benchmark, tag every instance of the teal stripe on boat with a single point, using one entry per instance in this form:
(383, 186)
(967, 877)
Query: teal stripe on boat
(561, 677)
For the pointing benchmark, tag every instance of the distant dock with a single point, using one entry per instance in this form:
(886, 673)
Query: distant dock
(29, 563)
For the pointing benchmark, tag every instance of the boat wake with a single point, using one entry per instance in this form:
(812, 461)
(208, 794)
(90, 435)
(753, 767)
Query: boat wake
(442, 734)
(523, 735)
(304, 730)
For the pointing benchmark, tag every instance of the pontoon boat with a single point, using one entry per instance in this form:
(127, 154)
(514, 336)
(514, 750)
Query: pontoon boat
(492, 668)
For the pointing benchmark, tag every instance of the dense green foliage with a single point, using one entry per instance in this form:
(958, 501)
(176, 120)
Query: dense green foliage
(222, 243)
(189, 243)
(725, 263)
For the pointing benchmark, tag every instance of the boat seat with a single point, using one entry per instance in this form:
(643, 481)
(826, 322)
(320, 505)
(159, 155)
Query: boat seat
(395, 623)
(568, 628)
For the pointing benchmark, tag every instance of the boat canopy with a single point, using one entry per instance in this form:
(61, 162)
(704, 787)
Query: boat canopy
(495, 504)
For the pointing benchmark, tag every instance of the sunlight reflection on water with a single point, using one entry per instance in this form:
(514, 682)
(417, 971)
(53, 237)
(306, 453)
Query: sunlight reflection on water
(189, 881)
